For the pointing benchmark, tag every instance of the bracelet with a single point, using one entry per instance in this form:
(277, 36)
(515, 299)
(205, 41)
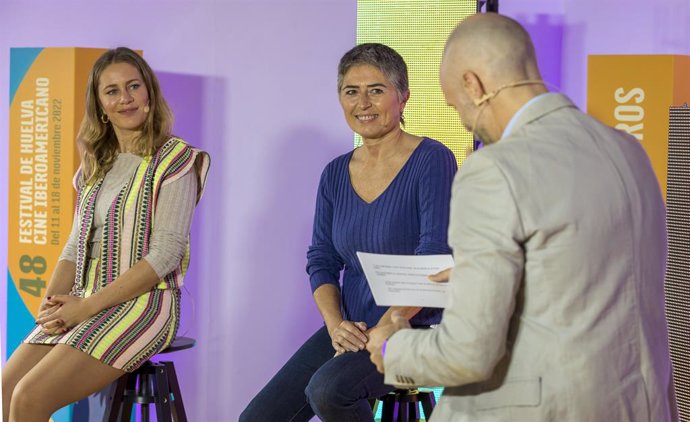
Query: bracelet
(383, 347)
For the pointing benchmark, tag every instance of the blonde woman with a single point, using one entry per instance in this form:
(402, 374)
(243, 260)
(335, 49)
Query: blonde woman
(113, 300)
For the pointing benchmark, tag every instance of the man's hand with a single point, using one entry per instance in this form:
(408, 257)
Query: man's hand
(440, 277)
(379, 335)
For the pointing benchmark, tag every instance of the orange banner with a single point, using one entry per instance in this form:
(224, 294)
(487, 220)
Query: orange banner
(47, 91)
(45, 113)
(633, 93)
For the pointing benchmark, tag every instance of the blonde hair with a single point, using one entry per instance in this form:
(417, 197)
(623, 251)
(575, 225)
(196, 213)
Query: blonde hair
(97, 141)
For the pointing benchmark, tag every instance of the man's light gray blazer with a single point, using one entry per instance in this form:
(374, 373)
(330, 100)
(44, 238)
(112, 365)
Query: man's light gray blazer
(556, 310)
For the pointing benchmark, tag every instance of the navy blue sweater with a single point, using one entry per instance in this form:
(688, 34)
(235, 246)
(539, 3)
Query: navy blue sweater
(409, 217)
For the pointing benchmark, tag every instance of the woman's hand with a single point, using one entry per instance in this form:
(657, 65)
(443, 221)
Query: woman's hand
(45, 309)
(53, 328)
(349, 336)
(44, 305)
(71, 310)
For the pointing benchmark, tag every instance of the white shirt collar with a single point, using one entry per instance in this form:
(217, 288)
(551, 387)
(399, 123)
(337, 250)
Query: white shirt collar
(528, 104)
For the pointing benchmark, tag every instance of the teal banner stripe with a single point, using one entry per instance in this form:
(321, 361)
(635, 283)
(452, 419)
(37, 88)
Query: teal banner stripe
(65, 414)
(21, 60)
(19, 319)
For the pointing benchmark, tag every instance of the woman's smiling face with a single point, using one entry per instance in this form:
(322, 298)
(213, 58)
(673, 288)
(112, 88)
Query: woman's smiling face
(124, 97)
(370, 102)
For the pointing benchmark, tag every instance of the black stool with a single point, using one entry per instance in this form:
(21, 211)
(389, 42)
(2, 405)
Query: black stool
(402, 405)
(157, 384)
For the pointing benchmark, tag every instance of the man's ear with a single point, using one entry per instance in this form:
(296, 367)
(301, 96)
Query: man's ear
(474, 88)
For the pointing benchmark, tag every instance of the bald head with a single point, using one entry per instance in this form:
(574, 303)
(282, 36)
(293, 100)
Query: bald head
(487, 55)
(493, 46)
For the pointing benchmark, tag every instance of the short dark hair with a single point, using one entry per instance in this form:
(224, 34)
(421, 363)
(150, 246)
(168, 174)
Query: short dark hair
(382, 57)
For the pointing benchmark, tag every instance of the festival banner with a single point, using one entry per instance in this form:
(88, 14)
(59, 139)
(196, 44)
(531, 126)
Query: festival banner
(47, 92)
(633, 93)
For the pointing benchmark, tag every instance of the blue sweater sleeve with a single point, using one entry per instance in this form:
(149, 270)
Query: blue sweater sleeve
(435, 186)
(323, 261)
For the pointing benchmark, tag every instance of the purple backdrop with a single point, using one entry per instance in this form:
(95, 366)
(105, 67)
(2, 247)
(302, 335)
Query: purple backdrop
(254, 84)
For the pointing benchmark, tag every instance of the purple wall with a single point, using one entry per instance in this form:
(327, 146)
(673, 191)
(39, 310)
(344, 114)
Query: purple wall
(619, 27)
(253, 82)
(543, 19)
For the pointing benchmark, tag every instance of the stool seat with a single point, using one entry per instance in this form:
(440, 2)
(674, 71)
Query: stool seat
(403, 405)
(152, 383)
(180, 343)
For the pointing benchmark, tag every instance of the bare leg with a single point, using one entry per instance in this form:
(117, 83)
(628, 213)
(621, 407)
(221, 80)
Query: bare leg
(19, 364)
(63, 376)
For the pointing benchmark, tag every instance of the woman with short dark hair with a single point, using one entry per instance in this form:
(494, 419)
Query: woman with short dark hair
(390, 195)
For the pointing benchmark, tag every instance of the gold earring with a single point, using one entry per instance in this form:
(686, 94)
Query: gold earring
(104, 118)
(147, 108)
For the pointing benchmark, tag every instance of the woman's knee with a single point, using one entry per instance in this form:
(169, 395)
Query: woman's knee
(323, 392)
(252, 413)
(12, 372)
(8, 383)
(27, 399)
(246, 415)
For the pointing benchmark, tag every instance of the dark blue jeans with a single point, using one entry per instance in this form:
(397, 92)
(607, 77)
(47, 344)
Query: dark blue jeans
(313, 382)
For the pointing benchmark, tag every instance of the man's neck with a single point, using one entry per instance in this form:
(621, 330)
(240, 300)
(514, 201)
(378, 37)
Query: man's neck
(508, 106)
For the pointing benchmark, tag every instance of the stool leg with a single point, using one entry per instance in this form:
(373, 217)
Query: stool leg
(374, 403)
(413, 407)
(404, 412)
(413, 410)
(112, 410)
(145, 391)
(128, 402)
(428, 403)
(162, 394)
(178, 405)
(387, 411)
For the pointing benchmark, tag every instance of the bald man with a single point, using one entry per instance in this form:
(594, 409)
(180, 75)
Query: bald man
(556, 308)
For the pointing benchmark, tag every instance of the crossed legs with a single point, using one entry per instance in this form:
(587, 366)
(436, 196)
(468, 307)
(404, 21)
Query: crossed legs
(40, 379)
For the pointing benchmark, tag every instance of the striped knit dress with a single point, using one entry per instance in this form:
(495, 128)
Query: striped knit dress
(126, 335)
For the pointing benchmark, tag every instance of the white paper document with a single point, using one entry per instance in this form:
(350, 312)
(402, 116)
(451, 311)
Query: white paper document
(401, 280)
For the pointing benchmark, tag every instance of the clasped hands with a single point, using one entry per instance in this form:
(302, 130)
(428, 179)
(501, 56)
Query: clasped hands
(349, 336)
(378, 335)
(58, 313)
